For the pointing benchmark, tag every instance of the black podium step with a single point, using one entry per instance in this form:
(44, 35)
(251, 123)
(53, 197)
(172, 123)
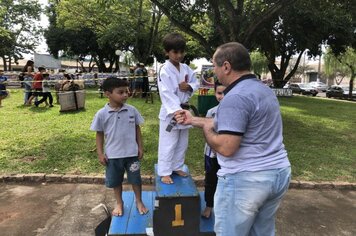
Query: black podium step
(177, 207)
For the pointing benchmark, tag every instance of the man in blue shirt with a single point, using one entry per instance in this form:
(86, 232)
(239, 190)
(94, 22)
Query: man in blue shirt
(3, 81)
(246, 134)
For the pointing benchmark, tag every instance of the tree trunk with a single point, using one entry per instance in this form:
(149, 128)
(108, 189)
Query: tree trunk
(137, 48)
(91, 64)
(4, 63)
(278, 74)
(156, 18)
(9, 60)
(101, 64)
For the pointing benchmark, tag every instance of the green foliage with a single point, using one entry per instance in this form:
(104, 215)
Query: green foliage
(220, 21)
(18, 31)
(259, 63)
(82, 28)
(130, 26)
(343, 63)
(333, 65)
(278, 28)
(304, 25)
(318, 134)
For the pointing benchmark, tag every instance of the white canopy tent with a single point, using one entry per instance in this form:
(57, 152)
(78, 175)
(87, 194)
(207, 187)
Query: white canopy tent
(47, 61)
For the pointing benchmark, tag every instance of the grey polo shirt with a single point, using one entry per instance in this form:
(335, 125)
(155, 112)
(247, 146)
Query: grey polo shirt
(207, 149)
(119, 127)
(250, 109)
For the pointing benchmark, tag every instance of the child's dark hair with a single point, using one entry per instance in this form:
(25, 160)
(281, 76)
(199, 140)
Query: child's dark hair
(113, 82)
(41, 68)
(28, 63)
(174, 41)
(216, 84)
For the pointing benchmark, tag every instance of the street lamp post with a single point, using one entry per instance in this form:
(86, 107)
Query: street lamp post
(319, 65)
(118, 53)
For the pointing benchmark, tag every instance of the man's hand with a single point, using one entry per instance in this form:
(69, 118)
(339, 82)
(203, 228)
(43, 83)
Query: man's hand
(185, 87)
(102, 159)
(183, 117)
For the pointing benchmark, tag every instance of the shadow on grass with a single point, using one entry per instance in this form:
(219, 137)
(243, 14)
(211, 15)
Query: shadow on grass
(22, 106)
(73, 112)
(35, 109)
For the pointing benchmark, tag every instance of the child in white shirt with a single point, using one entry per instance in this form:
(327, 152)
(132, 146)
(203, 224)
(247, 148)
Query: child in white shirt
(176, 84)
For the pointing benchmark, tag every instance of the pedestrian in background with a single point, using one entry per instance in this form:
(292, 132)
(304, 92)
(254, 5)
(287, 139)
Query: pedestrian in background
(138, 81)
(37, 86)
(3, 92)
(145, 82)
(46, 90)
(27, 76)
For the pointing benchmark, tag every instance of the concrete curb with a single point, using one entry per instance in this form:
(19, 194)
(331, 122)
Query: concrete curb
(149, 180)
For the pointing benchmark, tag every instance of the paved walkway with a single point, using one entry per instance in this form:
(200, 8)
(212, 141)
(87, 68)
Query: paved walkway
(66, 209)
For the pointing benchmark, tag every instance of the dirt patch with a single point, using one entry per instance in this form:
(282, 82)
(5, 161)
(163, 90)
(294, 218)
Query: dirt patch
(5, 216)
(21, 191)
(31, 159)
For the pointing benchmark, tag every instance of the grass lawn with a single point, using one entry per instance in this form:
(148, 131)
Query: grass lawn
(319, 136)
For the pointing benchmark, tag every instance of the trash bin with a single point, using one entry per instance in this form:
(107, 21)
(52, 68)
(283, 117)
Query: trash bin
(205, 102)
(72, 100)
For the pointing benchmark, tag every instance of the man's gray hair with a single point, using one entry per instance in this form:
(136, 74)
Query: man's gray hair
(234, 53)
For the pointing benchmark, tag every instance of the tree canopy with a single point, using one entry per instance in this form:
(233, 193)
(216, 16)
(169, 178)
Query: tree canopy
(279, 29)
(259, 63)
(342, 63)
(102, 27)
(98, 28)
(303, 25)
(224, 20)
(19, 32)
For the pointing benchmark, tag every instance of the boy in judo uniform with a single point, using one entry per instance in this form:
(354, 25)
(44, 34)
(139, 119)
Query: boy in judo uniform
(176, 84)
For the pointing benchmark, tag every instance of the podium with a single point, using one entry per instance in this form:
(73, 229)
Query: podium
(174, 210)
(177, 207)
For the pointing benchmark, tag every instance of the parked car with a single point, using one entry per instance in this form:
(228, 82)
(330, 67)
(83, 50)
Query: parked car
(304, 89)
(339, 92)
(320, 86)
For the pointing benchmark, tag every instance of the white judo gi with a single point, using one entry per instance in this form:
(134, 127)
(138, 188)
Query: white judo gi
(173, 145)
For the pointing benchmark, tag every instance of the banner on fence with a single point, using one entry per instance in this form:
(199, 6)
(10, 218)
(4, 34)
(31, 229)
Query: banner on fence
(207, 77)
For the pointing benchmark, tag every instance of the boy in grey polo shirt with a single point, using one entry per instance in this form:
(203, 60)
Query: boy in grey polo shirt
(117, 124)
